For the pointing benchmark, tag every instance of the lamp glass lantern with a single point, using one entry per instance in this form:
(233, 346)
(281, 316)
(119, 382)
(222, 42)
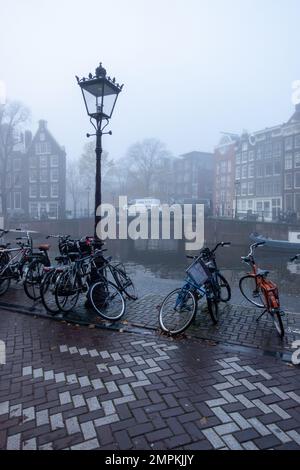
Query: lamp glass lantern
(100, 94)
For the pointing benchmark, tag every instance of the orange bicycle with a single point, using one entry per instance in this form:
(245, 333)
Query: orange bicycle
(260, 291)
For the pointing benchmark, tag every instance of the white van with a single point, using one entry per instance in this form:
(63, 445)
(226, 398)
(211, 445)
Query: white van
(143, 205)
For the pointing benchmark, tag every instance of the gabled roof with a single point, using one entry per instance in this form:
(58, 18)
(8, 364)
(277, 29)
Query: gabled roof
(43, 128)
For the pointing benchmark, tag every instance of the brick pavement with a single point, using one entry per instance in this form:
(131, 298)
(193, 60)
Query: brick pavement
(74, 387)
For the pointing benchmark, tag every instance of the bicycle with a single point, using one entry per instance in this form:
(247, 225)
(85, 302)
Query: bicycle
(22, 264)
(76, 279)
(179, 308)
(51, 273)
(260, 291)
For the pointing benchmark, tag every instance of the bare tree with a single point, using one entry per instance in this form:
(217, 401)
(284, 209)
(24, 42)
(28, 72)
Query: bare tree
(74, 185)
(13, 116)
(146, 163)
(87, 164)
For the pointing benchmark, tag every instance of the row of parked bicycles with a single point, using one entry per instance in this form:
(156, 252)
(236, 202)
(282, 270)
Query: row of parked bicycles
(80, 269)
(205, 286)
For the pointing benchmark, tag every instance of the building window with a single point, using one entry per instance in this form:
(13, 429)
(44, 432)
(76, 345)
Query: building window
(250, 204)
(17, 180)
(244, 146)
(33, 176)
(244, 189)
(288, 143)
(277, 166)
(269, 169)
(244, 171)
(289, 202)
(244, 157)
(288, 183)
(53, 210)
(297, 179)
(42, 136)
(297, 141)
(33, 209)
(297, 202)
(42, 148)
(251, 170)
(54, 160)
(268, 188)
(288, 161)
(43, 190)
(276, 187)
(260, 152)
(43, 175)
(260, 171)
(250, 188)
(297, 160)
(259, 188)
(54, 190)
(43, 161)
(33, 190)
(268, 153)
(277, 149)
(238, 172)
(54, 174)
(251, 155)
(17, 200)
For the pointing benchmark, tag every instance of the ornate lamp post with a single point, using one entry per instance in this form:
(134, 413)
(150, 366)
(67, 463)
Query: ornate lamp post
(100, 94)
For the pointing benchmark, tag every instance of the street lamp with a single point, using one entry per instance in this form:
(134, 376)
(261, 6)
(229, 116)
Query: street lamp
(100, 94)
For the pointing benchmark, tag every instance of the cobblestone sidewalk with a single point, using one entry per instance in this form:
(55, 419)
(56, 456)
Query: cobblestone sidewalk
(68, 387)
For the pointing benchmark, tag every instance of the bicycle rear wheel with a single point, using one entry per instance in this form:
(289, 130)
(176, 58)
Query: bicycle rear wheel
(4, 284)
(33, 279)
(212, 302)
(177, 311)
(107, 300)
(250, 290)
(277, 320)
(67, 291)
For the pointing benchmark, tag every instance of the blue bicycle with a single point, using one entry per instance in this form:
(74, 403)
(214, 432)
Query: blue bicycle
(204, 285)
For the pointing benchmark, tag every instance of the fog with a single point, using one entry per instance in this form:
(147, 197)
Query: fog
(191, 68)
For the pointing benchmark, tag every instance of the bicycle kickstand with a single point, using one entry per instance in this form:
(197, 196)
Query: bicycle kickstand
(265, 311)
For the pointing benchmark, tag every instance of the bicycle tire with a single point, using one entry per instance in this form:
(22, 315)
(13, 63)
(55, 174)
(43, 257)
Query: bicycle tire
(33, 279)
(66, 297)
(223, 287)
(190, 310)
(126, 284)
(4, 285)
(243, 289)
(107, 300)
(277, 320)
(49, 302)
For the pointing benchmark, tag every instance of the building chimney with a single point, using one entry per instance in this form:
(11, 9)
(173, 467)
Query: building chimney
(42, 124)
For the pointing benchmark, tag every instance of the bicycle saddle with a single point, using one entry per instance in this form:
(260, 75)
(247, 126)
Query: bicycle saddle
(44, 247)
(262, 272)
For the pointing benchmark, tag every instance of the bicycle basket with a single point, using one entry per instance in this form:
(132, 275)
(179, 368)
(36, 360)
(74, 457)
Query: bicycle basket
(198, 272)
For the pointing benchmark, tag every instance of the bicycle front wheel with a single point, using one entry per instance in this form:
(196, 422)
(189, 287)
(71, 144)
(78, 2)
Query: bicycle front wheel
(4, 284)
(126, 284)
(223, 288)
(107, 300)
(250, 290)
(177, 311)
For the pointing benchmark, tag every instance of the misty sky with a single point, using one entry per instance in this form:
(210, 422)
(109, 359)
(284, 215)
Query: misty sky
(191, 68)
